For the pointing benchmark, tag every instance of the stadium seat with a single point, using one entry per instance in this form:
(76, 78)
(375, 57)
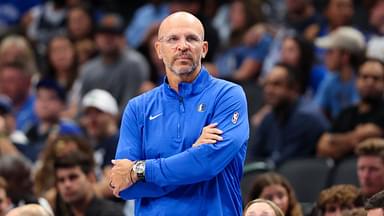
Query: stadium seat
(345, 172)
(307, 176)
(250, 172)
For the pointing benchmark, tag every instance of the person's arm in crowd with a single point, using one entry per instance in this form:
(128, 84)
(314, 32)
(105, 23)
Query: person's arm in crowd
(195, 164)
(336, 145)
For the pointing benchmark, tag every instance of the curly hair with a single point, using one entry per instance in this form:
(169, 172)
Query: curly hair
(340, 194)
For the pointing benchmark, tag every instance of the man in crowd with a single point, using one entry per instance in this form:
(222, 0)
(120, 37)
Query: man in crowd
(375, 205)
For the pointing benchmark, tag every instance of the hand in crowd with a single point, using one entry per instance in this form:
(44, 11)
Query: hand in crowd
(121, 176)
(367, 130)
(210, 135)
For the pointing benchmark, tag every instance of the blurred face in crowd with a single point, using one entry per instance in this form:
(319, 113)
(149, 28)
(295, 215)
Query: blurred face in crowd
(277, 194)
(79, 23)
(5, 202)
(333, 58)
(339, 12)
(370, 171)
(290, 52)
(335, 209)
(181, 45)
(109, 44)
(73, 184)
(376, 18)
(259, 209)
(276, 87)
(97, 122)
(295, 6)
(48, 106)
(370, 81)
(14, 83)
(61, 53)
(237, 15)
(376, 212)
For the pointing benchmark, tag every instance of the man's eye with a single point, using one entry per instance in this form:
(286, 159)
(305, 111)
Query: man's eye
(192, 39)
(172, 39)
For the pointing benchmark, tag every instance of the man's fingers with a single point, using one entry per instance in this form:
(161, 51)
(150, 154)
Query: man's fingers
(213, 131)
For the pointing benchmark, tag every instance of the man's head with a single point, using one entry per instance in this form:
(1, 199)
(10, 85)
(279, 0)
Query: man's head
(339, 12)
(109, 36)
(30, 210)
(370, 81)
(334, 200)
(100, 113)
(281, 85)
(181, 44)
(15, 81)
(5, 201)
(344, 46)
(50, 100)
(370, 166)
(74, 177)
(375, 205)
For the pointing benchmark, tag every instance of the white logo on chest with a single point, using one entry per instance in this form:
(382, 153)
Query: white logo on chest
(151, 117)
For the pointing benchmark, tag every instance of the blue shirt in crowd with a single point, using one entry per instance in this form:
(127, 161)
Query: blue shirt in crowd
(160, 127)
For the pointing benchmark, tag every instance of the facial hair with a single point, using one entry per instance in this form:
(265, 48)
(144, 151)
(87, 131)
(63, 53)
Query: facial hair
(182, 71)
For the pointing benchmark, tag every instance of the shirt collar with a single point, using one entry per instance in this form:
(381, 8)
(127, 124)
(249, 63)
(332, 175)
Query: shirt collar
(189, 89)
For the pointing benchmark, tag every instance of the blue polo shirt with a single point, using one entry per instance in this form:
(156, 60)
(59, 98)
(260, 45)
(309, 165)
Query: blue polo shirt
(160, 127)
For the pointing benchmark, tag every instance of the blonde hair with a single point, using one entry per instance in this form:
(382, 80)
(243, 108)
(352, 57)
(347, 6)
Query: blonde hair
(274, 207)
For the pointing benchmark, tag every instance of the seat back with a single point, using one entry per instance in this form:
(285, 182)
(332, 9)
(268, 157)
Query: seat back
(250, 172)
(307, 176)
(345, 172)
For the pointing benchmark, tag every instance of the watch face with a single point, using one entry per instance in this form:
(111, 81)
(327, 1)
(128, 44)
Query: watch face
(139, 167)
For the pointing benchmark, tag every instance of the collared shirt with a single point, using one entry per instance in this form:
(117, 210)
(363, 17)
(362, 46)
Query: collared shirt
(160, 127)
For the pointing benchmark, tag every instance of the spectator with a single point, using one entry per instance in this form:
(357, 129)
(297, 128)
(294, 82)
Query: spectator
(30, 210)
(338, 13)
(370, 166)
(361, 121)
(50, 102)
(100, 120)
(6, 203)
(332, 201)
(291, 130)
(74, 181)
(375, 205)
(274, 187)
(118, 70)
(261, 207)
(80, 23)
(354, 212)
(376, 16)
(344, 49)
(15, 82)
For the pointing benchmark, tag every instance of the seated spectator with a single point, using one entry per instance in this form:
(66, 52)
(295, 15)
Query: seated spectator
(262, 207)
(50, 102)
(274, 187)
(100, 120)
(292, 129)
(80, 23)
(74, 181)
(344, 50)
(361, 121)
(30, 210)
(370, 166)
(15, 83)
(332, 201)
(118, 70)
(354, 212)
(375, 205)
(6, 203)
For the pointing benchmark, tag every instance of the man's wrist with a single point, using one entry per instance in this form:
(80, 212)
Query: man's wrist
(138, 169)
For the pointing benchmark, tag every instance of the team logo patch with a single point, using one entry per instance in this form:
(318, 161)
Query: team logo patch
(235, 117)
(201, 107)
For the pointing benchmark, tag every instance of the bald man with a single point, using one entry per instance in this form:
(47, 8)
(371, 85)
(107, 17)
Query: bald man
(182, 145)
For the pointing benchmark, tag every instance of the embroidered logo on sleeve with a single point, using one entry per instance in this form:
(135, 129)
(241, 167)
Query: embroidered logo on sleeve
(235, 117)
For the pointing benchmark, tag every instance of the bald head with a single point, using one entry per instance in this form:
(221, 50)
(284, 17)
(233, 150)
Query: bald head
(180, 20)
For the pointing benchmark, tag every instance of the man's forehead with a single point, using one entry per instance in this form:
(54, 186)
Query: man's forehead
(181, 21)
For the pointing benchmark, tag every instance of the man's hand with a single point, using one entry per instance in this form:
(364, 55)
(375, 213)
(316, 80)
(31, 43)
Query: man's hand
(209, 135)
(120, 177)
(367, 130)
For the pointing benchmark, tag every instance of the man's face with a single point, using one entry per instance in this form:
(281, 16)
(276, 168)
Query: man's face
(276, 88)
(181, 46)
(72, 184)
(340, 12)
(370, 82)
(47, 105)
(109, 43)
(13, 83)
(375, 212)
(335, 209)
(370, 171)
(96, 122)
(333, 59)
(5, 202)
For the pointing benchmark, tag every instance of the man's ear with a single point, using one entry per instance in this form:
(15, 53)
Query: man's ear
(158, 51)
(205, 49)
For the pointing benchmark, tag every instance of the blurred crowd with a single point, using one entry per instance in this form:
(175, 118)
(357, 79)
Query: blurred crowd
(312, 70)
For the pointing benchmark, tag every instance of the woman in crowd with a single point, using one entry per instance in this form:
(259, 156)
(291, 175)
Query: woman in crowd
(262, 207)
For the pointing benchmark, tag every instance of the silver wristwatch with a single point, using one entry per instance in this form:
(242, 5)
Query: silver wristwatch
(139, 169)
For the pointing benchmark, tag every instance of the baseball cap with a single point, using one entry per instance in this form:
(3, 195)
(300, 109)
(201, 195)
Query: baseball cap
(375, 48)
(51, 84)
(101, 100)
(344, 37)
(111, 23)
